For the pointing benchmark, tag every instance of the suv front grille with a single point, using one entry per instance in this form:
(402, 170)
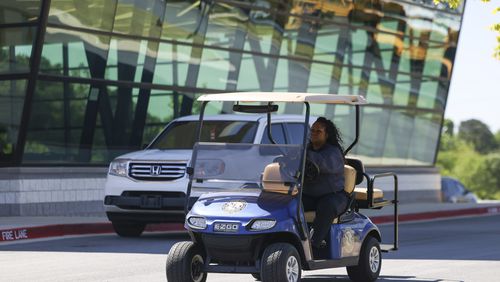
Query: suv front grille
(157, 171)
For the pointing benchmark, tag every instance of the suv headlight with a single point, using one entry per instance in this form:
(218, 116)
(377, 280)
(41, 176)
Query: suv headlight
(118, 167)
(262, 224)
(197, 222)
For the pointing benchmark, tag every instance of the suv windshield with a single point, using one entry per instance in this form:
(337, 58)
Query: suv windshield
(241, 166)
(182, 134)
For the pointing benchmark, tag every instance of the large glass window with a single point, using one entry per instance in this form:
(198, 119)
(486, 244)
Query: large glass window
(56, 122)
(185, 20)
(141, 18)
(93, 14)
(15, 49)
(172, 64)
(80, 123)
(19, 11)
(73, 53)
(398, 54)
(12, 94)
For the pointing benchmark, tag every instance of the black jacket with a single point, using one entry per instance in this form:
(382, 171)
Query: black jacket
(330, 161)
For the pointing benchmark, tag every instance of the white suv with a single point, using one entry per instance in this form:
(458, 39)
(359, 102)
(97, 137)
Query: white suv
(149, 186)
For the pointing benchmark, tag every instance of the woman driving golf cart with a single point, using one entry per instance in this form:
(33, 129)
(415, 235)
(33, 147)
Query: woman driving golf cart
(324, 193)
(249, 217)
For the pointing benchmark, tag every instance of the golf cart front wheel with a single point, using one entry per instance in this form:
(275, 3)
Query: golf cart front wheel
(370, 262)
(185, 263)
(280, 263)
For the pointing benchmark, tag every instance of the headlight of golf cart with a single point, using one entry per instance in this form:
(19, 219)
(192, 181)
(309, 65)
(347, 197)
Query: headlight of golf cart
(196, 222)
(118, 167)
(262, 224)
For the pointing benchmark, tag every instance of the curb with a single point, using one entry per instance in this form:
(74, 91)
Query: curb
(59, 230)
(410, 217)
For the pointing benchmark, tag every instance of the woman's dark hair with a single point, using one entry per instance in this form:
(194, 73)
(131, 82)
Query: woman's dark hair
(334, 136)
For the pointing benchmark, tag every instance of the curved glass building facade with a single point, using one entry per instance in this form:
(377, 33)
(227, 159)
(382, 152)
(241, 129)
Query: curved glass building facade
(84, 81)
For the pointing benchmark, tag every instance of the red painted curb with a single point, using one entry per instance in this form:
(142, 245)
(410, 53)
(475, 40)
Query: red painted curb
(36, 232)
(436, 215)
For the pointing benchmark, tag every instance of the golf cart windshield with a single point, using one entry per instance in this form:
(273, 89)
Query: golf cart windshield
(224, 166)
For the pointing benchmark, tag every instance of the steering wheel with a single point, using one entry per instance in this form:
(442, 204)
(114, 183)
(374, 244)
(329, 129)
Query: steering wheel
(285, 170)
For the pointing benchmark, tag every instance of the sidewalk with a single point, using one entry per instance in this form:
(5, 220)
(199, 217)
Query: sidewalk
(18, 228)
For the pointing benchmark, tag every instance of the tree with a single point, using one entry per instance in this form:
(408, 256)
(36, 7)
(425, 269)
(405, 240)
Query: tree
(478, 134)
(487, 179)
(496, 27)
(497, 138)
(452, 155)
(448, 127)
(458, 158)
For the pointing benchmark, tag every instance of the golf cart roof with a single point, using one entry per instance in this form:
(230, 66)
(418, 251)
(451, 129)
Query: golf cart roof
(290, 97)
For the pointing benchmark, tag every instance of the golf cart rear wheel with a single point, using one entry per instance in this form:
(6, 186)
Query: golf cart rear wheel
(185, 263)
(370, 262)
(280, 263)
(128, 229)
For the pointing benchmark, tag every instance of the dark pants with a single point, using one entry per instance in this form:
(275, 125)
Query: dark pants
(327, 207)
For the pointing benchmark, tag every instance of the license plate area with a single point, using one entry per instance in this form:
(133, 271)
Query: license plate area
(151, 201)
(226, 227)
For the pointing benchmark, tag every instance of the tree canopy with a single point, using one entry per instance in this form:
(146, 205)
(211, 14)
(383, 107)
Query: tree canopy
(478, 134)
(459, 158)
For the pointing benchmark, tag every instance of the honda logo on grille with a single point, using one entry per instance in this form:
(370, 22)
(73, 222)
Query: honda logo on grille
(155, 169)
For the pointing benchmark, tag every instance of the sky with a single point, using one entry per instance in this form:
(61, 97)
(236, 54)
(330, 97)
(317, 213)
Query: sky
(475, 83)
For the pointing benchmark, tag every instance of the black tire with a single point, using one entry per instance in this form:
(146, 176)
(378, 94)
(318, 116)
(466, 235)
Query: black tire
(370, 262)
(256, 276)
(128, 229)
(280, 263)
(184, 263)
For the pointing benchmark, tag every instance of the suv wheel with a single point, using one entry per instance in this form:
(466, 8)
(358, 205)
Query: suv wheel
(128, 229)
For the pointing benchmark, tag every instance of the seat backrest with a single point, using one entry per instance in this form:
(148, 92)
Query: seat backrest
(273, 182)
(349, 178)
(358, 166)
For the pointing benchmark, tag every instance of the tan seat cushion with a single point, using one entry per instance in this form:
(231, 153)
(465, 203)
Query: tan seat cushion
(349, 179)
(273, 182)
(362, 193)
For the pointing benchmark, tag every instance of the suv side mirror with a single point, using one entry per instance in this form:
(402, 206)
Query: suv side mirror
(189, 170)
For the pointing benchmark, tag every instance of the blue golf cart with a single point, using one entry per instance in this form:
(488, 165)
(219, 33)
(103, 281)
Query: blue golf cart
(250, 219)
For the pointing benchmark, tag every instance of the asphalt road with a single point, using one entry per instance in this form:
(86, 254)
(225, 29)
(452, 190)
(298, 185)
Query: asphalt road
(465, 249)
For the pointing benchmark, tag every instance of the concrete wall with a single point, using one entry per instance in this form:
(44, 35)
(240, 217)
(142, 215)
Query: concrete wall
(63, 191)
(52, 191)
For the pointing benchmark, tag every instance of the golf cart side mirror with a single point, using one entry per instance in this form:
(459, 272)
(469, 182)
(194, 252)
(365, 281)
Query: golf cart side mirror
(189, 170)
